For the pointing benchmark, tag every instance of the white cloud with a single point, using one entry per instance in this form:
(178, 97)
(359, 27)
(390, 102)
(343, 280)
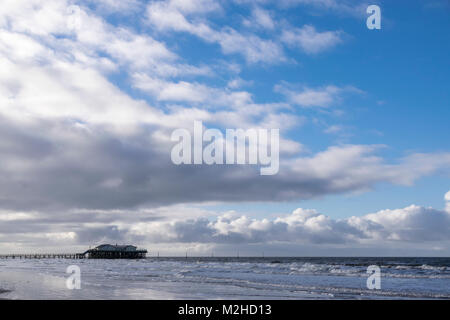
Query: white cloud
(14, 216)
(168, 15)
(61, 236)
(447, 203)
(315, 97)
(116, 6)
(34, 16)
(254, 48)
(412, 224)
(193, 93)
(194, 6)
(238, 82)
(334, 129)
(354, 8)
(173, 91)
(310, 40)
(352, 166)
(260, 18)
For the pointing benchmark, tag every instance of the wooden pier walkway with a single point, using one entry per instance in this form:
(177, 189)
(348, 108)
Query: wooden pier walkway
(44, 256)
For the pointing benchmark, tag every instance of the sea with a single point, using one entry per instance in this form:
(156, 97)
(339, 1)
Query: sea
(226, 278)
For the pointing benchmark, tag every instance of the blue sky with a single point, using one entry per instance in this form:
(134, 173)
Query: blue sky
(90, 92)
(402, 69)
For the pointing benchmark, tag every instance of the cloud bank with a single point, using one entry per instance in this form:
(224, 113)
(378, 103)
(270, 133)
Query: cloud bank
(205, 230)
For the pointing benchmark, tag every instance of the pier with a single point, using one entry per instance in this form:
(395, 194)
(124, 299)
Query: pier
(104, 251)
(43, 256)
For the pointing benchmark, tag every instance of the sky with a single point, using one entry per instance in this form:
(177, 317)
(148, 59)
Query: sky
(91, 91)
